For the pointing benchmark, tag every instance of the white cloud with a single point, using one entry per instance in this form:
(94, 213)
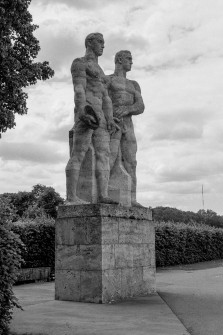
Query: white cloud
(177, 60)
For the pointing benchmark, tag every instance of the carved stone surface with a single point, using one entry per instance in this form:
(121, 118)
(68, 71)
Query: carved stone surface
(127, 101)
(93, 125)
(104, 253)
(102, 164)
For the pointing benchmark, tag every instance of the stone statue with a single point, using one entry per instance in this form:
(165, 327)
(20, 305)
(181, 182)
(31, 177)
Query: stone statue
(127, 101)
(93, 121)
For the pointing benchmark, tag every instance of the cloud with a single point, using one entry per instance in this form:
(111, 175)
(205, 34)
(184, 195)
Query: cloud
(177, 54)
(79, 4)
(30, 152)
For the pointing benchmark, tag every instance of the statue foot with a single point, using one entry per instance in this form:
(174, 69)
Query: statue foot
(136, 204)
(76, 201)
(107, 200)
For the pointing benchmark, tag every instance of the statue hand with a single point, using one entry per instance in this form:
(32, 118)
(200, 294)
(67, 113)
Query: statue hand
(112, 127)
(121, 111)
(89, 120)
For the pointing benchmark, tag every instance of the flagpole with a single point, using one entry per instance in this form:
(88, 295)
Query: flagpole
(202, 192)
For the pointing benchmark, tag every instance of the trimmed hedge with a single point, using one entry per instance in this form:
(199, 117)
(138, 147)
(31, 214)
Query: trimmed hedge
(10, 261)
(38, 235)
(178, 243)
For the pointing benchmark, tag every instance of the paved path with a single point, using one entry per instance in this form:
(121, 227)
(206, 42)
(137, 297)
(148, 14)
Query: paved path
(195, 295)
(43, 315)
(193, 292)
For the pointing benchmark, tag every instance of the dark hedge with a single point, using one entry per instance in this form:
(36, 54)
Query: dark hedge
(39, 238)
(10, 262)
(185, 244)
(176, 243)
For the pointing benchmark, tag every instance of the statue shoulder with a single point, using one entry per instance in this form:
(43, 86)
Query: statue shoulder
(108, 80)
(136, 85)
(78, 67)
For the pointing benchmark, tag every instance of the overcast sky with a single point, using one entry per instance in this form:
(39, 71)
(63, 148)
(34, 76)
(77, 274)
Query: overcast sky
(177, 60)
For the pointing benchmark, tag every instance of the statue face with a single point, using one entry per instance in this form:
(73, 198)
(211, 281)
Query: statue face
(97, 45)
(127, 62)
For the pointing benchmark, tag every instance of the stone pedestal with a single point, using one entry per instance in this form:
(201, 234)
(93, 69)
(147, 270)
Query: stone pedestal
(104, 253)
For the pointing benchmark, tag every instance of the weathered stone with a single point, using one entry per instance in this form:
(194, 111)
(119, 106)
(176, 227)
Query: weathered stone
(149, 279)
(99, 210)
(78, 257)
(118, 265)
(123, 256)
(91, 132)
(127, 101)
(110, 230)
(143, 255)
(111, 281)
(133, 232)
(108, 256)
(67, 285)
(91, 286)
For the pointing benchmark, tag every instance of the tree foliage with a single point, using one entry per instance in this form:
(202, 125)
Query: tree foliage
(11, 248)
(42, 200)
(18, 49)
(208, 217)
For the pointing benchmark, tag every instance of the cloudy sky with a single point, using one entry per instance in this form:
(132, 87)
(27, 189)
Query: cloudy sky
(177, 60)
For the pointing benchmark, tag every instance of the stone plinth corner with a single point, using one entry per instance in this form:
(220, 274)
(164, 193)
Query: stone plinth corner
(104, 253)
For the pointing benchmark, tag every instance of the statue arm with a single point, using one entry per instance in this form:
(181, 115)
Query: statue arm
(78, 71)
(108, 112)
(138, 106)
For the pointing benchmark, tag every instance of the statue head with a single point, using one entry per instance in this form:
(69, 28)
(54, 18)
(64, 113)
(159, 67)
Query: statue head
(95, 42)
(123, 58)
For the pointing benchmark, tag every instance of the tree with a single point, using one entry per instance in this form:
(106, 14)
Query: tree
(18, 49)
(49, 201)
(10, 261)
(41, 200)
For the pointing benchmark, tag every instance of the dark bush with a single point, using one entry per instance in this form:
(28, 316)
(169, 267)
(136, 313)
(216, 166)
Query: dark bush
(10, 261)
(178, 243)
(38, 235)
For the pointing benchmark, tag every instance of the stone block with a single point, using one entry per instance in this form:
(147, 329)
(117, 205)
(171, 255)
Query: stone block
(67, 285)
(110, 230)
(80, 230)
(126, 282)
(149, 279)
(143, 255)
(91, 286)
(78, 257)
(123, 256)
(135, 232)
(138, 213)
(108, 256)
(104, 253)
(111, 283)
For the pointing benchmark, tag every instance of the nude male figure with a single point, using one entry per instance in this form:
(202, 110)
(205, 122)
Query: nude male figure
(127, 101)
(90, 127)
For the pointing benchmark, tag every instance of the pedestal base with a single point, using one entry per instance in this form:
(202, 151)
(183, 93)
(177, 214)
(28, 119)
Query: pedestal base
(104, 253)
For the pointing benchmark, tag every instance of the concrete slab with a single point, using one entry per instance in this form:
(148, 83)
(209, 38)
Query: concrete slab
(43, 315)
(194, 292)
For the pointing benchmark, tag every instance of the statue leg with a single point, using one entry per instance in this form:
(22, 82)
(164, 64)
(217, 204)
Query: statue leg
(114, 148)
(81, 142)
(128, 150)
(101, 143)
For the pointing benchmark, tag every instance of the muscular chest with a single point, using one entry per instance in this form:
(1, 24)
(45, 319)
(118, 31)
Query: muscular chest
(94, 72)
(121, 91)
(119, 84)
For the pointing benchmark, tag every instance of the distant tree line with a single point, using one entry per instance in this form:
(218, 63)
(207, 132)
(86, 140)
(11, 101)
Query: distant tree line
(169, 214)
(44, 201)
(41, 201)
